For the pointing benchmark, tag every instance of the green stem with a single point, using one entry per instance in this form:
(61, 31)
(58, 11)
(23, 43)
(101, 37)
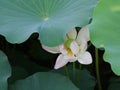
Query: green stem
(97, 69)
(80, 67)
(74, 74)
(66, 71)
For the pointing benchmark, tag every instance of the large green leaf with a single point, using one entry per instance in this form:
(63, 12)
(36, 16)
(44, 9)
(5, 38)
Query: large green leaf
(44, 81)
(87, 81)
(105, 31)
(50, 18)
(82, 78)
(5, 71)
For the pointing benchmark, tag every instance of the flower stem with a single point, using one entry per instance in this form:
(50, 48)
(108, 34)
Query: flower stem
(74, 74)
(80, 67)
(66, 71)
(97, 69)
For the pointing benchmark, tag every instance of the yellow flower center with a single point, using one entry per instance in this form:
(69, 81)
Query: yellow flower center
(67, 47)
(69, 51)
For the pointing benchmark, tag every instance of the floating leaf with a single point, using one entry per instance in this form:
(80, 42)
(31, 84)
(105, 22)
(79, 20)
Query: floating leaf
(87, 81)
(44, 81)
(82, 79)
(105, 31)
(52, 19)
(5, 71)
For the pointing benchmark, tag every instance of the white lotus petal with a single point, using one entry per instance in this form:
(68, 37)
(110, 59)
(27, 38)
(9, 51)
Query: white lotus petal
(70, 58)
(83, 35)
(60, 62)
(85, 58)
(83, 47)
(73, 59)
(62, 49)
(71, 34)
(51, 49)
(74, 47)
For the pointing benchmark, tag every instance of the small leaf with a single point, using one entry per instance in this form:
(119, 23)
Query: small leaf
(5, 71)
(44, 81)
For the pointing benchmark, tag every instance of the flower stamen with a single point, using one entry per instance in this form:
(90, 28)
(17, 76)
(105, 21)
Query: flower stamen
(69, 51)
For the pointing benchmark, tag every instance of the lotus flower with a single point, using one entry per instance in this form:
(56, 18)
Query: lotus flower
(73, 49)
